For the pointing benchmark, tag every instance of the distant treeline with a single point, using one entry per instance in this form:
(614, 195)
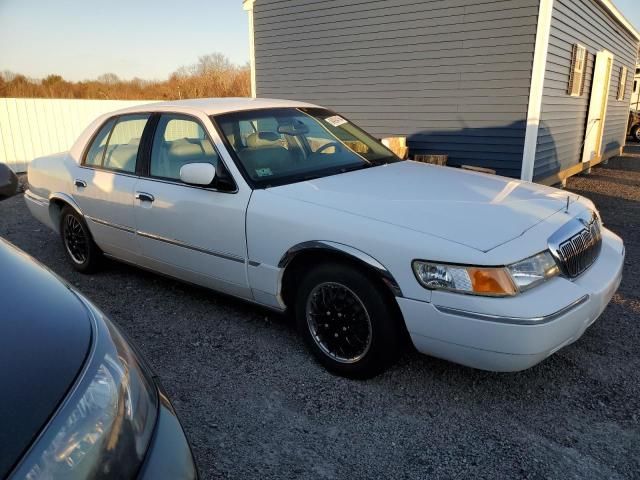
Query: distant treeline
(213, 76)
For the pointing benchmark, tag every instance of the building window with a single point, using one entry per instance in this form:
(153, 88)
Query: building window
(578, 70)
(622, 85)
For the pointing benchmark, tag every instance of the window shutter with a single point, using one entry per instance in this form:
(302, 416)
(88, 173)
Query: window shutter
(584, 74)
(578, 71)
(622, 86)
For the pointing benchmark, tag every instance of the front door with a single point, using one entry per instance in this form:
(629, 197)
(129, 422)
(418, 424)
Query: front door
(192, 233)
(103, 186)
(598, 106)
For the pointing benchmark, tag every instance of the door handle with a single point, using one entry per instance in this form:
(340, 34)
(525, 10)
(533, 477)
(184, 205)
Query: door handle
(80, 183)
(144, 197)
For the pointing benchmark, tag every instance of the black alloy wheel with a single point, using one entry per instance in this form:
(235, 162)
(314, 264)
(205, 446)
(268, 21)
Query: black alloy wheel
(82, 252)
(338, 322)
(75, 240)
(349, 321)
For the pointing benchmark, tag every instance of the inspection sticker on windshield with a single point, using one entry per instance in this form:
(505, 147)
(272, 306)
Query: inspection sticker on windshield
(335, 121)
(264, 172)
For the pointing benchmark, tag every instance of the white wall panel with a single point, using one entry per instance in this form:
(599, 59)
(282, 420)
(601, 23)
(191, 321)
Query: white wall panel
(33, 127)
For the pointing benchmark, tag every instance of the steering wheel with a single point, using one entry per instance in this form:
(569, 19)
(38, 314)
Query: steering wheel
(337, 146)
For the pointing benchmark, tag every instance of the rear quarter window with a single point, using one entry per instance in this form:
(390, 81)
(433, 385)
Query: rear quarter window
(95, 153)
(116, 145)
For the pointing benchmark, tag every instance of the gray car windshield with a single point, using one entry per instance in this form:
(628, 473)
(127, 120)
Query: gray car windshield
(286, 145)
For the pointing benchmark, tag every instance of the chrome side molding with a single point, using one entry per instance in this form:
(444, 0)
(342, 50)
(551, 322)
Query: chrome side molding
(36, 198)
(178, 243)
(169, 241)
(109, 224)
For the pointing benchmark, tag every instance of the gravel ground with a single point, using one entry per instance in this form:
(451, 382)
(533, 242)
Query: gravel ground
(255, 405)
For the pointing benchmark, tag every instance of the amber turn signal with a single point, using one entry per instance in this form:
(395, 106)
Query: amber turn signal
(491, 281)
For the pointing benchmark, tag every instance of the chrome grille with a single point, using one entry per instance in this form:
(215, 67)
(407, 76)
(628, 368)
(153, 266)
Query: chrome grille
(577, 253)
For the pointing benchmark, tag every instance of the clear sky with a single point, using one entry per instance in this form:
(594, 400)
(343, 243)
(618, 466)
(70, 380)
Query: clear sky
(631, 10)
(81, 39)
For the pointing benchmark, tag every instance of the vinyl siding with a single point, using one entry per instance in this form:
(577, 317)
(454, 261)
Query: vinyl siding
(564, 118)
(451, 75)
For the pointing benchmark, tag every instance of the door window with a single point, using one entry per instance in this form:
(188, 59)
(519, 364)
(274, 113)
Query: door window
(95, 153)
(179, 141)
(124, 142)
(116, 145)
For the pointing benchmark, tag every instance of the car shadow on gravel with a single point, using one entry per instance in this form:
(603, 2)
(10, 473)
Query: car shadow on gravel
(153, 280)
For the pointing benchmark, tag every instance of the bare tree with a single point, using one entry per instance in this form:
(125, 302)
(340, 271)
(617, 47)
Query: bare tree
(108, 78)
(213, 75)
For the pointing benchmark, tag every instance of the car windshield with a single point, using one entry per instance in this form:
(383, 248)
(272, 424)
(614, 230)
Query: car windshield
(285, 145)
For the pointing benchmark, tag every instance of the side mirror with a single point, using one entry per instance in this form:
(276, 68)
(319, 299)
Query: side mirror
(8, 182)
(197, 173)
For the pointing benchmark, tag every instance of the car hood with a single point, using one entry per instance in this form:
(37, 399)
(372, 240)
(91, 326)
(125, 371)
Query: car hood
(45, 336)
(477, 210)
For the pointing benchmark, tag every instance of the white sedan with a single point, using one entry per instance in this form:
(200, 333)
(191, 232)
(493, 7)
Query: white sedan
(293, 207)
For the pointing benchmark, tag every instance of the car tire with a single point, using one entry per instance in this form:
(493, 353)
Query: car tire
(80, 249)
(635, 133)
(348, 321)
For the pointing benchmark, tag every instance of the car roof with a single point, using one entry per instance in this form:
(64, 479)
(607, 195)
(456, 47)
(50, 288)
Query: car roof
(215, 106)
(196, 107)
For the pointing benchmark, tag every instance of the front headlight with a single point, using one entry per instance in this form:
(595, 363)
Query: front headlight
(487, 281)
(533, 270)
(464, 279)
(103, 428)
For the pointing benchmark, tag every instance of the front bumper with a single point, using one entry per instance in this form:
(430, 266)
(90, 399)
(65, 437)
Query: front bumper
(511, 334)
(169, 454)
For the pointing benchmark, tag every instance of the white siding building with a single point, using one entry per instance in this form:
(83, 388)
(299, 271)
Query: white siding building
(533, 89)
(635, 95)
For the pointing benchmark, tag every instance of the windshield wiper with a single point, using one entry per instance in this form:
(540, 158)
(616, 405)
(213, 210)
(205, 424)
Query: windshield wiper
(312, 177)
(357, 167)
(337, 171)
(385, 161)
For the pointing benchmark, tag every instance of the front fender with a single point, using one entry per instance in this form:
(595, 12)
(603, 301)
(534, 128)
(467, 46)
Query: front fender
(353, 253)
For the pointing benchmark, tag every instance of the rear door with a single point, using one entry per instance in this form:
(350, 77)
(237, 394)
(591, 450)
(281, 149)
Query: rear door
(104, 184)
(190, 232)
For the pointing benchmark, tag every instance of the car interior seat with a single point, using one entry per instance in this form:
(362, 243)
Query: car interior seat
(177, 153)
(265, 150)
(122, 157)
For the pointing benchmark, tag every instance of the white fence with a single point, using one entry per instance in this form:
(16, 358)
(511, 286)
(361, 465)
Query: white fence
(33, 127)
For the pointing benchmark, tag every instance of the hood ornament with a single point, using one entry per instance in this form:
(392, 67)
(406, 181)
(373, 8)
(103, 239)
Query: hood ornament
(566, 210)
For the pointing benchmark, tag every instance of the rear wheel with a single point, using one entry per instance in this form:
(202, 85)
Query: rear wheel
(347, 321)
(80, 249)
(635, 133)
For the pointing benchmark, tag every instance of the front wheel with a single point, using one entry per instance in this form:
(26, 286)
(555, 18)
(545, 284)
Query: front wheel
(80, 249)
(347, 321)
(635, 133)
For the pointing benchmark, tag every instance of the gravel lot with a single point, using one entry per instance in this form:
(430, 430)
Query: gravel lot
(255, 405)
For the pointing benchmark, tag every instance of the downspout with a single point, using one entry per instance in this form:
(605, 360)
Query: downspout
(248, 6)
